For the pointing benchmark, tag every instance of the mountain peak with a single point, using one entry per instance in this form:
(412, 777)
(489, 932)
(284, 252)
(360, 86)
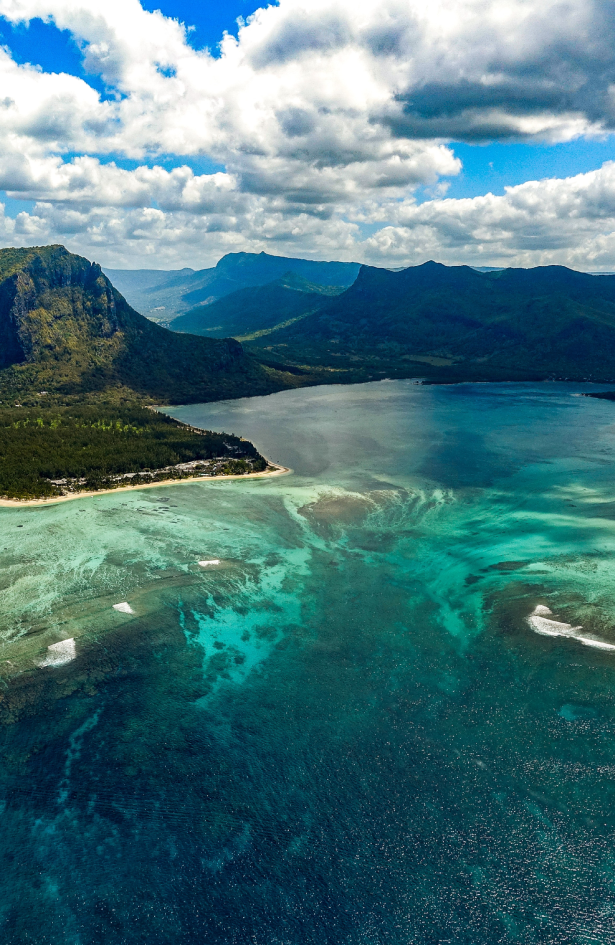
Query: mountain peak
(66, 329)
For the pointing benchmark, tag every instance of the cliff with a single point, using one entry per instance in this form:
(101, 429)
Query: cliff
(66, 330)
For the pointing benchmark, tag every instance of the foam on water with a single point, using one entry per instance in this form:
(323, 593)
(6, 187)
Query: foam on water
(554, 628)
(591, 641)
(58, 654)
(123, 608)
(547, 627)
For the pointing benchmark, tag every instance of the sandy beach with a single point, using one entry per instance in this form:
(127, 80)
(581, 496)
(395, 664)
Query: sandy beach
(276, 470)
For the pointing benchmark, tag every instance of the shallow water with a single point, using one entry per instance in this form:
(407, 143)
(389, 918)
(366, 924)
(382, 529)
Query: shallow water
(348, 730)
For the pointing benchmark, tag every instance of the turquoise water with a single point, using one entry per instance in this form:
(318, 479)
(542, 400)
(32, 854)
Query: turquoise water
(347, 731)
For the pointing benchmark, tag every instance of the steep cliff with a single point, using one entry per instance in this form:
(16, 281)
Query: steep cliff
(65, 329)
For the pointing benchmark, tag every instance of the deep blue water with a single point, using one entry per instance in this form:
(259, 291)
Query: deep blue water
(347, 731)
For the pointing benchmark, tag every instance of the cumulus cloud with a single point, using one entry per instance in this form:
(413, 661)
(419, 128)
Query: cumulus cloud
(568, 222)
(325, 114)
(150, 237)
(331, 80)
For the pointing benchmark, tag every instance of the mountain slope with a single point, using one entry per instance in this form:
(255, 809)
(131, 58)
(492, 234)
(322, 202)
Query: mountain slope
(176, 292)
(457, 323)
(140, 287)
(257, 309)
(66, 330)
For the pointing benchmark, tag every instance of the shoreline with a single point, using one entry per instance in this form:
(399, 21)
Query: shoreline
(277, 470)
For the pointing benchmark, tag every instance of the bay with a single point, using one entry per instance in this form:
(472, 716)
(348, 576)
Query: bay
(348, 730)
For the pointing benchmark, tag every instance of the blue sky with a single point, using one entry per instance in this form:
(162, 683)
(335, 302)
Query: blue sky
(486, 167)
(209, 20)
(55, 50)
(374, 130)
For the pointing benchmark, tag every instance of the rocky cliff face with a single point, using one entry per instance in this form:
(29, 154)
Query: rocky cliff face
(55, 306)
(62, 323)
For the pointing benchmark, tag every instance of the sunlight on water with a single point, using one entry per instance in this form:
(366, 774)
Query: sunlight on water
(371, 702)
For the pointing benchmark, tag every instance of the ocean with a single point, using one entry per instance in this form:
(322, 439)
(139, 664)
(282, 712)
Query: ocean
(386, 715)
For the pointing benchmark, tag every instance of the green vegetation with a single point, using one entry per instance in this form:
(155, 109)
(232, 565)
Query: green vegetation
(77, 366)
(12, 259)
(89, 446)
(65, 330)
(257, 311)
(451, 324)
(164, 295)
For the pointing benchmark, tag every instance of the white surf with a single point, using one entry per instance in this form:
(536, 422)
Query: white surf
(60, 653)
(123, 608)
(540, 623)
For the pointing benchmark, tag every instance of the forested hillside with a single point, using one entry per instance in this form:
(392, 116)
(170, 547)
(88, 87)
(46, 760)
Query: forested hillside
(77, 364)
(65, 330)
(454, 323)
(49, 452)
(163, 296)
(256, 311)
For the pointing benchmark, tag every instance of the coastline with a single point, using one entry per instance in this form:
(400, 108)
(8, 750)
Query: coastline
(277, 470)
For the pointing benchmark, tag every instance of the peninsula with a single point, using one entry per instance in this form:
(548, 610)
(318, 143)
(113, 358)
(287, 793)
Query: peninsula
(79, 369)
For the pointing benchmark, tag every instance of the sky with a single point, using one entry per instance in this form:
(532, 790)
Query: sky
(164, 135)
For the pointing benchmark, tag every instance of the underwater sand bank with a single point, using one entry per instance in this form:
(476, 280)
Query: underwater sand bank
(276, 470)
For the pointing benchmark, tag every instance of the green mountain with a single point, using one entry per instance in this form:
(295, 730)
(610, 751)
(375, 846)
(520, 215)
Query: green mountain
(256, 311)
(163, 295)
(455, 323)
(65, 330)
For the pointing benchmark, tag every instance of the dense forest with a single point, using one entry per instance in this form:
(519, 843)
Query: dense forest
(450, 323)
(89, 445)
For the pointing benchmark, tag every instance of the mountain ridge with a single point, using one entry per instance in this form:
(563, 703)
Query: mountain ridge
(184, 289)
(255, 309)
(65, 329)
(513, 324)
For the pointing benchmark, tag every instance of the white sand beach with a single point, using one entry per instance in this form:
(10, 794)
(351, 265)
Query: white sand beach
(274, 470)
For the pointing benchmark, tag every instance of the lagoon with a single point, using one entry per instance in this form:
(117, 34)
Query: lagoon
(345, 730)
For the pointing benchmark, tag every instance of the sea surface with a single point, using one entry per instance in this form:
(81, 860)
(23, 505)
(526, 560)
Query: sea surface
(356, 728)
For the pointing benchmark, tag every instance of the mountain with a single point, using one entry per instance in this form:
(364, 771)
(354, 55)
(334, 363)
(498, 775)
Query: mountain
(157, 293)
(256, 310)
(454, 323)
(65, 330)
(142, 288)
(163, 295)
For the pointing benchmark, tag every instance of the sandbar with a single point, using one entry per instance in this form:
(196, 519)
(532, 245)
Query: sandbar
(275, 470)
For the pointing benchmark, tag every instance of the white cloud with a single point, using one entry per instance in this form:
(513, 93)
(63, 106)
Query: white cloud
(85, 182)
(329, 81)
(324, 114)
(569, 222)
(148, 236)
